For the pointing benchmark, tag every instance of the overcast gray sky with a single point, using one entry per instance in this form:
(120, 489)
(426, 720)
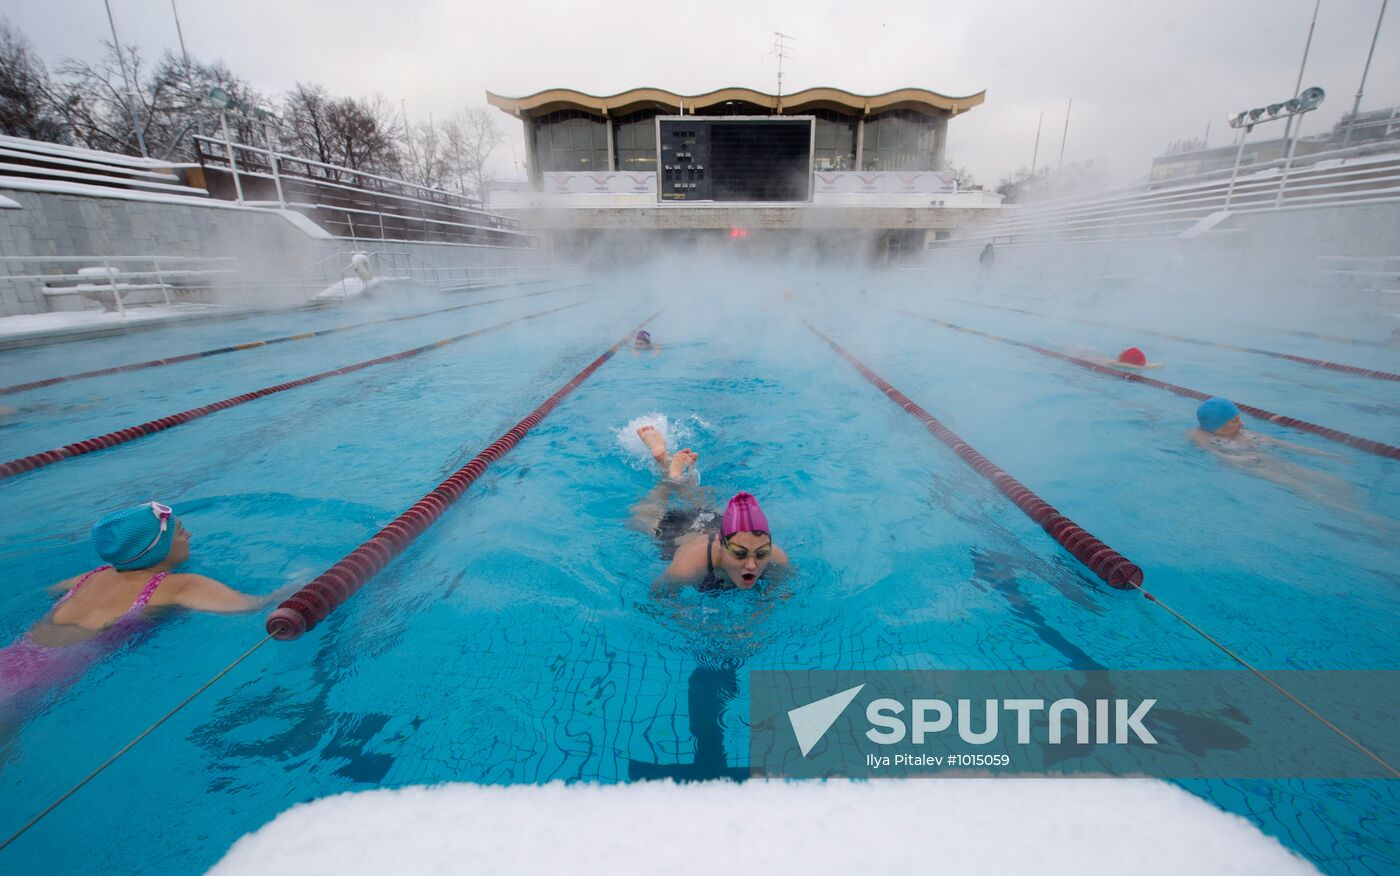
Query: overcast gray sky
(1141, 73)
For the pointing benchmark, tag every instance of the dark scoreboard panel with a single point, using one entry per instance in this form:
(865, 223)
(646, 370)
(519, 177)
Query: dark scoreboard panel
(735, 158)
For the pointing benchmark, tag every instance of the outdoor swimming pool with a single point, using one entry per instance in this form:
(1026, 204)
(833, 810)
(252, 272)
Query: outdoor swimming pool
(517, 641)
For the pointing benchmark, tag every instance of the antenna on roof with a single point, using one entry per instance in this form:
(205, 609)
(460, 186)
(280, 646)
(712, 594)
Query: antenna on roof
(781, 50)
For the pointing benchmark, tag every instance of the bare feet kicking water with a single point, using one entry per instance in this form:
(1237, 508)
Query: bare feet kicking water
(676, 465)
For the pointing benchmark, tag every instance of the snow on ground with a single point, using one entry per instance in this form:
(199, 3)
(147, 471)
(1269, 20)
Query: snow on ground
(57, 321)
(1079, 826)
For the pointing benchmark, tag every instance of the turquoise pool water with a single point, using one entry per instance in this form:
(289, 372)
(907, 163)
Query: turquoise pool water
(517, 640)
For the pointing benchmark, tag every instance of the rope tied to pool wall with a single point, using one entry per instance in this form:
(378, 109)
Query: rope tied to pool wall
(311, 604)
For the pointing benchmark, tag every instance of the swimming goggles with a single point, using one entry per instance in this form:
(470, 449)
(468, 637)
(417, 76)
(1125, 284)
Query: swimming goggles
(163, 513)
(739, 552)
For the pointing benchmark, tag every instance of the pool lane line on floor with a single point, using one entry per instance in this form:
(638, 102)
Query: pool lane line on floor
(252, 345)
(310, 605)
(1112, 567)
(131, 433)
(1317, 363)
(1115, 569)
(125, 748)
(1389, 451)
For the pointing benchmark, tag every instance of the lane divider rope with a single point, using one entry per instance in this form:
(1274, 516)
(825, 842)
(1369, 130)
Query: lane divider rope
(250, 345)
(1112, 567)
(1378, 448)
(310, 605)
(1317, 363)
(1109, 565)
(131, 433)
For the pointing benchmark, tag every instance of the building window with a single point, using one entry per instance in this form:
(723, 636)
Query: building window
(634, 138)
(903, 140)
(836, 141)
(570, 140)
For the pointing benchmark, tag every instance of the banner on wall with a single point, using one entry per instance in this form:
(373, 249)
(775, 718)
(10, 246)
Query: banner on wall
(886, 182)
(602, 183)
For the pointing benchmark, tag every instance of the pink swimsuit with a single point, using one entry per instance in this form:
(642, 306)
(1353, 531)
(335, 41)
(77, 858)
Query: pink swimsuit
(28, 667)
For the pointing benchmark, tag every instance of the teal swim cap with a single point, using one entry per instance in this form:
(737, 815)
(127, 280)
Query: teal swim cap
(136, 537)
(1216, 412)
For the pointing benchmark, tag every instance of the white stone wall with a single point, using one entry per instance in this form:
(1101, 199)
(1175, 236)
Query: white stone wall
(271, 248)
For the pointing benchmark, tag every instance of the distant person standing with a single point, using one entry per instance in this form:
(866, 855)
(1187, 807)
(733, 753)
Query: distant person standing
(986, 261)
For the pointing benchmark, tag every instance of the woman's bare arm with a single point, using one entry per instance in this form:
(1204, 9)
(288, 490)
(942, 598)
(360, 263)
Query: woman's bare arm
(205, 594)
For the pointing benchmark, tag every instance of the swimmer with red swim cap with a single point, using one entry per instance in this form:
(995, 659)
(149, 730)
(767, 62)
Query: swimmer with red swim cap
(734, 556)
(1133, 358)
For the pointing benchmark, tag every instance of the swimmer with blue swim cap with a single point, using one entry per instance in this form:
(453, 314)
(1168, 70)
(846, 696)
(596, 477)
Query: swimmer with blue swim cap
(1222, 432)
(140, 547)
(1219, 416)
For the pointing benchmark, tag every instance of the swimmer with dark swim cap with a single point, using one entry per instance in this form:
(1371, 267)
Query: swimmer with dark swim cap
(735, 557)
(642, 341)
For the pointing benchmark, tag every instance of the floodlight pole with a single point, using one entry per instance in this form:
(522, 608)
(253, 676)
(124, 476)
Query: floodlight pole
(272, 157)
(1288, 161)
(1356, 107)
(1306, 102)
(232, 159)
(126, 80)
(1035, 155)
(1298, 86)
(1239, 153)
(184, 54)
(1065, 136)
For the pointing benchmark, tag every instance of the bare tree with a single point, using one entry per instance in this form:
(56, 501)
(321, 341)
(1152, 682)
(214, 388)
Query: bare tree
(92, 100)
(24, 90)
(360, 133)
(176, 105)
(424, 159)
(306, 123)
(471, 136)
(364, 134)
(168, 102)
(961, 174)
(1072, 179)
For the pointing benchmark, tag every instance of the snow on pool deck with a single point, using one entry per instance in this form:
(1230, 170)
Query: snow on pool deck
(32, 323)
(1080, 826)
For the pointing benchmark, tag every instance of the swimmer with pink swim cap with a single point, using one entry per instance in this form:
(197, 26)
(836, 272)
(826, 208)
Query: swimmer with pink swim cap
(734, 558)
(642, 341)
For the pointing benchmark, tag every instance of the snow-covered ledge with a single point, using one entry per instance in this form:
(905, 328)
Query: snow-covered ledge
(1078, 826)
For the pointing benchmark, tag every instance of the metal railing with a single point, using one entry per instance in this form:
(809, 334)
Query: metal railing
(37, 160)
(1174, 209)
(110, 279)
(265, 177)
